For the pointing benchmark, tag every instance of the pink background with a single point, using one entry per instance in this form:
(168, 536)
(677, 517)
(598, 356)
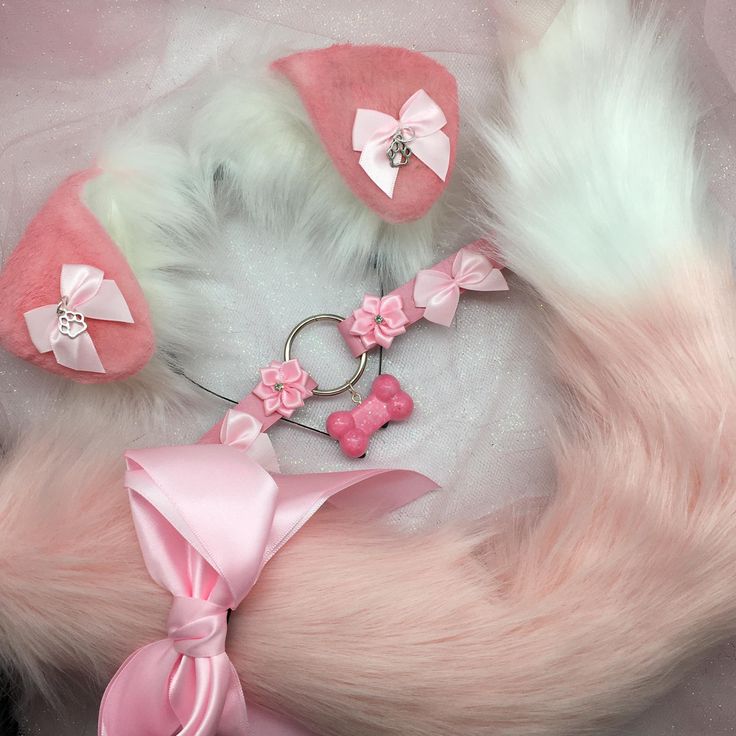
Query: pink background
(70, 71)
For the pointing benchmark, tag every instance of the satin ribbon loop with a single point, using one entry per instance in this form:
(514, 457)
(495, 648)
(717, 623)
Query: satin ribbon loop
(373, 131)
(84, 293)
(243, 431)
(208, 556)
(208, 518)
(439, 292)
(240, 429)
(197, 628)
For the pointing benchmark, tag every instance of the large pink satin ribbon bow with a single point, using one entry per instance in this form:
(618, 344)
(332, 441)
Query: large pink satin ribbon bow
(85, 294)
(208, 518)
(421, 116)
(439, 292)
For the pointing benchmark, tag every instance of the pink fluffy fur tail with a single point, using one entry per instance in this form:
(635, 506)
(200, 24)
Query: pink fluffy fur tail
(557, 625)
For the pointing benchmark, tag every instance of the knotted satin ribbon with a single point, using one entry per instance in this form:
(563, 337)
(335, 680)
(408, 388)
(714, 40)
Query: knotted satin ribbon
(208, 518)
(439, 292)
(85, 292)
(373, 131)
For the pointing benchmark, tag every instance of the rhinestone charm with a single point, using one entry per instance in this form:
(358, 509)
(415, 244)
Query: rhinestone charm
(278, 387)
(378, 319)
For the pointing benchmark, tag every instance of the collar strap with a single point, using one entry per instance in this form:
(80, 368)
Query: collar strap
(433, 295)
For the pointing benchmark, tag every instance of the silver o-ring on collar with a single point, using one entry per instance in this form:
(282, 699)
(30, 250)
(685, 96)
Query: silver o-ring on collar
(362, 361)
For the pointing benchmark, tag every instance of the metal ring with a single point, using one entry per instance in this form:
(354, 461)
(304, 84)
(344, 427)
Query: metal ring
(363, 360)
(411, 134)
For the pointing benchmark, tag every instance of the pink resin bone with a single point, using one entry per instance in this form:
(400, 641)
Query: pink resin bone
(386, 403)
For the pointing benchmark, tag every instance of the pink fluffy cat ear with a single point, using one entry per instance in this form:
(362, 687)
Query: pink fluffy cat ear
(360, 98)
(106, 278)
(70, 301)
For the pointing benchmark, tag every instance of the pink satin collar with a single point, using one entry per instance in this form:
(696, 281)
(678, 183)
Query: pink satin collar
(433, 295)
(208, 518)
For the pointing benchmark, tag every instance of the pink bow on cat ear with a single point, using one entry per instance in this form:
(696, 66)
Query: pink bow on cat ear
(389, 83)
(69, 300)
(387, 144)
(62, 328)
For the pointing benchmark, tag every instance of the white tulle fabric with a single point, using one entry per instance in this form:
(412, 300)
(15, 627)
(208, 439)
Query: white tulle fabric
(70, 71)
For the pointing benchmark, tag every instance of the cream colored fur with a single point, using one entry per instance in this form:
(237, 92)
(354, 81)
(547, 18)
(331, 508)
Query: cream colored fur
(597, 183)
(254, 139)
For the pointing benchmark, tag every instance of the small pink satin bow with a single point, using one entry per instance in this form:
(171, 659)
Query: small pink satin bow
(420, 118)
(244, 431)
(62, 327)
(208, 518)
(439, 292)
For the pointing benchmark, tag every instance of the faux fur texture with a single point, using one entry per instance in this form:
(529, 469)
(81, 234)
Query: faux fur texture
(557, 625)
(147, 198)
(154, 205)
(256, 142)
(334, 82)
(565, 626)
(598, 146)
(65, 231)
(560, 627)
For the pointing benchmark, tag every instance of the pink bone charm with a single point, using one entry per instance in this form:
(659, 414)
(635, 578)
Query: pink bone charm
(386, 403)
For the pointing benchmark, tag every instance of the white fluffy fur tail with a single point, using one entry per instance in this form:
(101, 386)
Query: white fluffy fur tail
(595, 185)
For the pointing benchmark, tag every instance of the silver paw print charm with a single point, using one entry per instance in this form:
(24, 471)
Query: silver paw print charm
(72, 324)
(399, 152)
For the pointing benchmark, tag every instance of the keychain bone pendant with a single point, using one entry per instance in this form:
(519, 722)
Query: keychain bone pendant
(386, 403)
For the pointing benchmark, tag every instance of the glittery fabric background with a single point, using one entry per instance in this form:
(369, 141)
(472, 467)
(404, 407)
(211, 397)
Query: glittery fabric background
(71, 71)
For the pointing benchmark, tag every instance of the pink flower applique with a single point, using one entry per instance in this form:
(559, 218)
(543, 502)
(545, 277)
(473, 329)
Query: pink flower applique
(379, 320)
(283, 387)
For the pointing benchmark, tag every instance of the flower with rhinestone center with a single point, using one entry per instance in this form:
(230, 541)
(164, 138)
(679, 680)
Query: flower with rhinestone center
(379, 320)
(283, 387)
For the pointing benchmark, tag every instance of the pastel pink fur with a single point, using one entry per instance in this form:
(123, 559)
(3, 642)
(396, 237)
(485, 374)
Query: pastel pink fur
(65, 231)
(334, 82)
(561, 624)
(518, 626)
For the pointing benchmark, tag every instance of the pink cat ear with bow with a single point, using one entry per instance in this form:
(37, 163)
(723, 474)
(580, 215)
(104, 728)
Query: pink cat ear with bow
(102, 332)
(386, 84)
